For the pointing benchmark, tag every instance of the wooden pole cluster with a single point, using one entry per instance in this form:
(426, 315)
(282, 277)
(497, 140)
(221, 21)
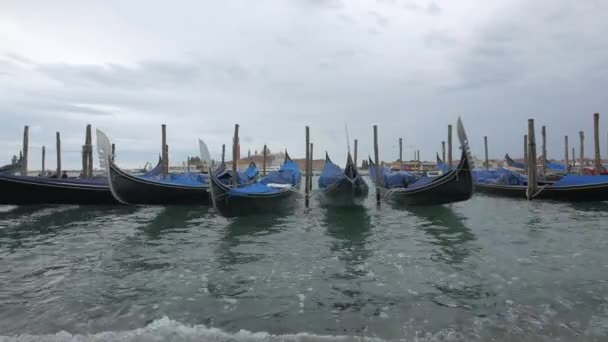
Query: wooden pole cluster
(307, 164)
(581, 135)
(485, 144)
(355, 156)
(43, 159)
(87, 154)
(164, 151)
(235, 155)
(596, 140)
(26, 138)
(264, 161)
(58, 138)
(526, 153)
(532, 183)
(400, 154)
(449, 147)
(566, 157)
(377, 162)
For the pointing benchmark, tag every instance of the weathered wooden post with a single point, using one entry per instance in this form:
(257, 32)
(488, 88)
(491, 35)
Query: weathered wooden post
(310, 167)
(223, 153)
(582, 152)
(526, 154)
(306, 167)
(596, 141)
(573, 159)
(449, 147)
(43, 159)
(544, 137)
(377, 162)
(485, 144)
(400, 154)
(87, 154)
(26, 139)
(248, 154)
(443, 152)
(188, 163)
(532, 183)
(163, 150)
(566, 157)
(113, 151)
(235, 155)
(264, 162)
(355, 157)
(58, 138)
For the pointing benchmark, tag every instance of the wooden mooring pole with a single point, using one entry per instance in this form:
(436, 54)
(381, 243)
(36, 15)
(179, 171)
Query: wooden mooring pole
(58, 138)
(310, 167)
(306, 166)
(532, 183)
(43, 159)
(526, 153)
(87, 154)
(223, 153)
(113, 151)
(449, 147)
(26, 138)
(485, 145)
(235, 155)
(443, 151)
(400, 154)
(163, 150)
(573, 158)
(581, 135)
(544, 137)
(596, 141)
(355, 156)
(377, 162)
(566, 157)
(264, 161)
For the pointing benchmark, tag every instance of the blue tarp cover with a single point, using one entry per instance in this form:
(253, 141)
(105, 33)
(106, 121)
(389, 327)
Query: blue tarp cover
(183, 179)
(573, 180)
(288, 174)
(330, 174)
(499, 176)
(389, 179)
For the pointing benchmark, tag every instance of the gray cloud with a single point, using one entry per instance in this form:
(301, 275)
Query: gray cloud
(286, 65)
(433, 9)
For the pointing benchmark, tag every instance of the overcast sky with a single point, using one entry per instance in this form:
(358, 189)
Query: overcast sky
(412, 67)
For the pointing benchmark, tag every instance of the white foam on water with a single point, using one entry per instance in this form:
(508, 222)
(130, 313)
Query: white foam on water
(165, 329)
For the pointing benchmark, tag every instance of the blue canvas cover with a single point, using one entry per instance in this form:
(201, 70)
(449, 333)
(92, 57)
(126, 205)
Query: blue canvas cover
(389, 179)
(244, 177)
(573, 180)
(330, 174)
(183, 179)
(556, 167)
(289, 174)
(422, 182)
(441, 166)
(498, 176)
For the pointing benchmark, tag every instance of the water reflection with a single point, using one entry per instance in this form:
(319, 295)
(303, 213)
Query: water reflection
(43, 222)
(349, 227)
(240, 232)
(173, 217)
(448, 230)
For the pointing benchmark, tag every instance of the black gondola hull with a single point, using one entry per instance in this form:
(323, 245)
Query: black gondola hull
(582, 193)
(17, 190)
(129, 189)
(232, 206)
(454, 186)
(344, 192)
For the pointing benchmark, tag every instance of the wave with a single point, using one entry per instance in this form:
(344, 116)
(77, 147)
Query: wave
(165, 329)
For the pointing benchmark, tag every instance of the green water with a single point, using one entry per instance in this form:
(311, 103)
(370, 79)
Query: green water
(486, 269)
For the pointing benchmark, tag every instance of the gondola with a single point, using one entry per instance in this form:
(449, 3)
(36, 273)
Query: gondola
(571, 188)
(272, 193)
(453, 186)
(26, 190)
(10, 169)
(341, 187)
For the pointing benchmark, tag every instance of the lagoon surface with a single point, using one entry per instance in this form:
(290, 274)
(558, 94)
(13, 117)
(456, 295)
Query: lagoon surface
(486, 269)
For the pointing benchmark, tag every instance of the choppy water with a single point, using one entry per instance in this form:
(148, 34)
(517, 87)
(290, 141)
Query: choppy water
(487, 269)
